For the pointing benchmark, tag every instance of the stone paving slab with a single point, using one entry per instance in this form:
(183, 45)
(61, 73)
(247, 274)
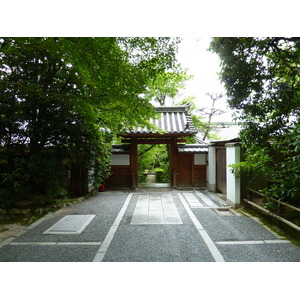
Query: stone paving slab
(192, 200)
(70, 224)
(155, 209)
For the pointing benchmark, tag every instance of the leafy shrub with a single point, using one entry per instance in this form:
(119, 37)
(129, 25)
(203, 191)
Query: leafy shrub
(161, 176)
(5, 198)
(270, 205)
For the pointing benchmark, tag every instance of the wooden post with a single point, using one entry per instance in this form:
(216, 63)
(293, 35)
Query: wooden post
(134, 163)
(174, 184)
(173, 162)
(193, 170)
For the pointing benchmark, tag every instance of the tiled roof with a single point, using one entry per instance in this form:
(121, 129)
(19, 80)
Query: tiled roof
(174, 120)
(192, 148)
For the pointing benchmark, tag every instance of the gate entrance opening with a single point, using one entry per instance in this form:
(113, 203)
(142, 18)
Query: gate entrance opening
(187, 162)
(153, 164)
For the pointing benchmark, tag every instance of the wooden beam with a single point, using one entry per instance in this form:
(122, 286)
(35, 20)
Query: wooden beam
(273, 215)
(153, 141)
(173, 163)
(278, 201)
(154, 136)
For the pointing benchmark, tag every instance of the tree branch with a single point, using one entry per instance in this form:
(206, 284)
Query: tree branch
(146, 150)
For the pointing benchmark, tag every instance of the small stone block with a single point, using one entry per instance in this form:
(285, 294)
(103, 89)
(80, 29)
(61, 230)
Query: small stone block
(71, 224)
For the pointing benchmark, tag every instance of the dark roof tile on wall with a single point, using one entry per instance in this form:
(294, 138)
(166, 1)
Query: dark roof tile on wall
(192, 148)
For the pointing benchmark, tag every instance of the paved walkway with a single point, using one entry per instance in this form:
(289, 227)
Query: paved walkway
(147, 226)
(150, 178)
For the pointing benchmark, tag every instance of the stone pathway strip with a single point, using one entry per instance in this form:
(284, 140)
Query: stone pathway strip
(155, 209)
(205, 198)
(192, 200)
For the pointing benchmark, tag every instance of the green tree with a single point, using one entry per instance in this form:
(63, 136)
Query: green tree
(261, 77)
(167, 84)
(71, 95)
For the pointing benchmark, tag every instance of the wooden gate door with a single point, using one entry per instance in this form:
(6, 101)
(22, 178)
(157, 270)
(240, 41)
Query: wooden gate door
(221, 169)
(200, 175)
(185, 164)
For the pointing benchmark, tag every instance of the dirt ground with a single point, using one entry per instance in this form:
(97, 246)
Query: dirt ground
(8, 230)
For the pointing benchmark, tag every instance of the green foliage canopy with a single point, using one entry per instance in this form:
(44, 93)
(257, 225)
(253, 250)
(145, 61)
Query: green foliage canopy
(72, 95)
(261, 76)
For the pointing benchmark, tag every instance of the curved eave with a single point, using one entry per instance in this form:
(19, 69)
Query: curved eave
(156, 135)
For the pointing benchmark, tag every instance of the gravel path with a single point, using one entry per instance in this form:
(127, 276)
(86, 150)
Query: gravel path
(206, 234)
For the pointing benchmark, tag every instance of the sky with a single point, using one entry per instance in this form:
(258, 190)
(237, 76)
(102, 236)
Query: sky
(204, 65)
(201, 63)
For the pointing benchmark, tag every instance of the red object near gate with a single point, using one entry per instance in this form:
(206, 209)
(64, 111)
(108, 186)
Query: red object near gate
(101, 188)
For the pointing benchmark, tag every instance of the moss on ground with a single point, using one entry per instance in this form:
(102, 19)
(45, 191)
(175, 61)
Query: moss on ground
(274, 224)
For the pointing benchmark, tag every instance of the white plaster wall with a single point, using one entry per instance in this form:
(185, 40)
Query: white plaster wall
(211, 168)
(233, 183)
(120, 160)
(199, 159)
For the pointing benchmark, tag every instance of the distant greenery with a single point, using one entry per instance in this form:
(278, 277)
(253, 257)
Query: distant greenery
(154, 158)
(162, 175)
